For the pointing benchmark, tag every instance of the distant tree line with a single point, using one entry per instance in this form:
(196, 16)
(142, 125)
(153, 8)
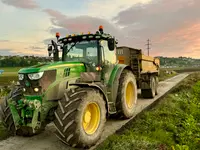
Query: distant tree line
(24, 61)
(178, 61)
(21, 61)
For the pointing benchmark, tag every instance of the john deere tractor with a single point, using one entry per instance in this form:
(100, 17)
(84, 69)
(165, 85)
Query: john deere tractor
(77, 91)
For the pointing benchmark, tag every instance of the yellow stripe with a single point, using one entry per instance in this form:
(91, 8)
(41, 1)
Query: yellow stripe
(66, 65)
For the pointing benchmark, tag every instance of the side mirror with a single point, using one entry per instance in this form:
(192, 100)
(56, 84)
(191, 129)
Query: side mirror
(50, 50)
(111, 44)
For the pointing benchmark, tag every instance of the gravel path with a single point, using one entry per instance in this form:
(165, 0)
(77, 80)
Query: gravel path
(48, 141)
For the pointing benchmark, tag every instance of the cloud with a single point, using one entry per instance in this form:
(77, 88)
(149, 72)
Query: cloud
(54, 13)
(4, 41)
(22, 48)
(108, 9)
(24, 4)
(48, 41)
(6, 52)
(172, 26)
(158, 16)
(68, 25)
(169, 25)
(35, 48)
(155, 24)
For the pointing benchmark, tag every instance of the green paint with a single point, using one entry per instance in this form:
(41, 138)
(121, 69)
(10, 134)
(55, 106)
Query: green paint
(49, 66)
(33, 97)
(113, 83)
(34, 107)
(117, 69)
(35, 123)
(27, 83)
(15, 115)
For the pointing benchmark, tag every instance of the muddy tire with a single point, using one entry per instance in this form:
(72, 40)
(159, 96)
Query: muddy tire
(157, 82)
(150, 93)
(127, 95)
(6, 116)
(80, 117)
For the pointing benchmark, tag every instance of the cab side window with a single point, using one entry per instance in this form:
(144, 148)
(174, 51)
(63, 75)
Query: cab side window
(110, 57)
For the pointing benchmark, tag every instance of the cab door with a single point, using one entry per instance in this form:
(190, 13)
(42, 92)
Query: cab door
(108, 61)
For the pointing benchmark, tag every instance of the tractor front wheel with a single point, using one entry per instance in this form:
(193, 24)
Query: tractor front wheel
(80, 117)
(127, 95)
(6, 116)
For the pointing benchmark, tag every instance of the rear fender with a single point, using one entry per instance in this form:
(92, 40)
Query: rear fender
(93, 85)
(113, 82)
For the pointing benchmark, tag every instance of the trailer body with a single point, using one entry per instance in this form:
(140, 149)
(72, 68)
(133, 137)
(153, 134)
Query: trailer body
(144, 67)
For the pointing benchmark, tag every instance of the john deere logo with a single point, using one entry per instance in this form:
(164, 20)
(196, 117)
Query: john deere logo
(1, 72)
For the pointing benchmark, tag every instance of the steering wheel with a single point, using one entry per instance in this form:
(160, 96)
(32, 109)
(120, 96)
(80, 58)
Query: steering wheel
(90, 61)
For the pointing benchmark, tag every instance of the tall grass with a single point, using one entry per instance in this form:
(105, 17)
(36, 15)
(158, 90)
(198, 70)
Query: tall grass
(173, 124)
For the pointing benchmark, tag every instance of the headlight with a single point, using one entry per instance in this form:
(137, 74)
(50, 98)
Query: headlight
(21, 76)
(35, 76)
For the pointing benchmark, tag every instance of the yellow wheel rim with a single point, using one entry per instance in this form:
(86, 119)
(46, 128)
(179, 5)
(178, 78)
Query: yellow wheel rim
(130, 95)
(91, 118)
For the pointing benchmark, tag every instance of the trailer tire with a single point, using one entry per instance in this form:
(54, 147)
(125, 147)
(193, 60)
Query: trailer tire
(6, 116)
(157, 82)
(127, 95)
(150, 93)
(80, 117)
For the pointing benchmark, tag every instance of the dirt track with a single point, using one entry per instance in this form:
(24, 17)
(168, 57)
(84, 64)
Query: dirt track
(48, 141)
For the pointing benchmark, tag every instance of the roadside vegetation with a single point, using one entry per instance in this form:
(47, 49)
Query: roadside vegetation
(174, 124)
(165, 74)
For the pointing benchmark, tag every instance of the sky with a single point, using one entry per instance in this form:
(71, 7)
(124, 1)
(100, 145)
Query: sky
(173, 27)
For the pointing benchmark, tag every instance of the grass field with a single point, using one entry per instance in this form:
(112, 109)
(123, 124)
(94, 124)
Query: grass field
(9, 74)
(172, 125)
(163, 75)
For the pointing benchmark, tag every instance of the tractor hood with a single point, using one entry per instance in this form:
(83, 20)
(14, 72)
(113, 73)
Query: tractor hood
(52, 66)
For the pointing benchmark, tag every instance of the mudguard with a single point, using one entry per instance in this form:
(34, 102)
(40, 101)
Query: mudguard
(113, 82)
(96, 86)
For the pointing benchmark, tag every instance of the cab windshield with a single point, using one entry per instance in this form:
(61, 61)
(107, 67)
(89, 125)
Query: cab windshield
(84, 51)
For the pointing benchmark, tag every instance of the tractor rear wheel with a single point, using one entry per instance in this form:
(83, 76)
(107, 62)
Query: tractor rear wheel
(150, 93)
(80, 117)
(6, 116)
(127, 95)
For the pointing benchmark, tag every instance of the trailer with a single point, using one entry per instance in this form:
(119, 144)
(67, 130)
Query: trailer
(90, 83)
(145, 68)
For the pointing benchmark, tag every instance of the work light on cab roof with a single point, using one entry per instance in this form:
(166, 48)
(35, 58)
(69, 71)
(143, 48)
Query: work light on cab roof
(100, 30)
(57, 35)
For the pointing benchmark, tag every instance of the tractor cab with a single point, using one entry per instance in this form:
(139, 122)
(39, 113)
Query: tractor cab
(82, 41)
(95, 51)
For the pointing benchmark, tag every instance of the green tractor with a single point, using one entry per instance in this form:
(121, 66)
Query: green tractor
(78, 91)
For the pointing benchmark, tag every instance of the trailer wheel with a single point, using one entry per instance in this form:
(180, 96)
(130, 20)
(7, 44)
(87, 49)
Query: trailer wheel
(127, 95)
(157, 82)
(80, 117)
(150, 93)
(6, 116)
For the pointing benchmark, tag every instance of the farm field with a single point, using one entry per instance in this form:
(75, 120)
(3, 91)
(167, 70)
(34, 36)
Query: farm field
(9, 74)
